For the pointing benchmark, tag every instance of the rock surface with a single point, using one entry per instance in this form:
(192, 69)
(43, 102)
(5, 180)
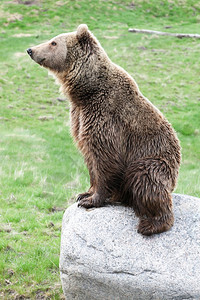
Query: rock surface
(104, 258)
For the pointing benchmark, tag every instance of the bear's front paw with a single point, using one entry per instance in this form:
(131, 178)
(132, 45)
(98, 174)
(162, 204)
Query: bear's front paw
(91, 201)
(83, 195)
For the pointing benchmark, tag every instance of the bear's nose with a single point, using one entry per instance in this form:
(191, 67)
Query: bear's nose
(29, 51)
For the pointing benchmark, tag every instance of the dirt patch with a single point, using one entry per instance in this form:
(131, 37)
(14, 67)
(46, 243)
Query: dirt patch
(21, 297)
(45, 118)
(60, 3)
(28, 2)
(110, 37)
(19, 35)
(55, 209)
(19, 54)
(131, 6)
(10, 18)
(6, 228)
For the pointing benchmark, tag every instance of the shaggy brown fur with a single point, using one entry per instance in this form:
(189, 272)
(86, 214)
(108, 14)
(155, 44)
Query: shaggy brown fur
(131, 150)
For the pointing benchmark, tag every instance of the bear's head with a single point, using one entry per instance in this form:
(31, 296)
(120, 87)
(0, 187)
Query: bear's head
(60, 53)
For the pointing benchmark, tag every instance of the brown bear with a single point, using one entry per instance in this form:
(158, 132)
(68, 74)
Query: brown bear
(131, 151)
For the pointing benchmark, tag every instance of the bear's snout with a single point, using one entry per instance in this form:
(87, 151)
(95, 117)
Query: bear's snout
(29, 51)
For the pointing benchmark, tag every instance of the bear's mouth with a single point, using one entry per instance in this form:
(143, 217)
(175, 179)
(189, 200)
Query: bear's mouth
(41, 61)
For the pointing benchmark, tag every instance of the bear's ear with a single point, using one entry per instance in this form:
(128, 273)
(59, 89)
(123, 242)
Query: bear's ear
(82, 32)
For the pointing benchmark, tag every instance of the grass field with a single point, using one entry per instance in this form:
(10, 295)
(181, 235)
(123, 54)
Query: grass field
(41, 170)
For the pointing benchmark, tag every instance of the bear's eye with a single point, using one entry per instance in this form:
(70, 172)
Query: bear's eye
(53, 43)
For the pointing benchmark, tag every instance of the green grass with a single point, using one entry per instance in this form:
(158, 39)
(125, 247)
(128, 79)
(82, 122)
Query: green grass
(41, 170)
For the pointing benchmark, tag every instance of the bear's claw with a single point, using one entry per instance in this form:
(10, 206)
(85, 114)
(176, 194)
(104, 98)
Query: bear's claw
(82, 196)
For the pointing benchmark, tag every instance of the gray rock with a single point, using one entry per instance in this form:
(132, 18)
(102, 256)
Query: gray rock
(104, 258)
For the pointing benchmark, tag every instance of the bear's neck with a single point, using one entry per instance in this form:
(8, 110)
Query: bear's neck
(84, 81)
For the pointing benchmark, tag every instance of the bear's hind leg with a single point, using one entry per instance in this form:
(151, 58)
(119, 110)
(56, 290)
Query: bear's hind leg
(148, 187)
(158, 224)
